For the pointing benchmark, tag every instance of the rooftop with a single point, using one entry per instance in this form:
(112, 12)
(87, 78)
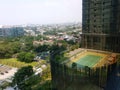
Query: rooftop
(90, 58)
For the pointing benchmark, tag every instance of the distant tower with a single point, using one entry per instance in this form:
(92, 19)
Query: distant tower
(1, 32)
(101, 25)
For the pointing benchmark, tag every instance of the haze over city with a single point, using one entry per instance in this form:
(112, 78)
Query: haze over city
(49, 45)
(40, 11)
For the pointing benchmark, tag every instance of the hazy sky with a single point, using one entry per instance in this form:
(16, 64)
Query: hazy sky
(40, 11)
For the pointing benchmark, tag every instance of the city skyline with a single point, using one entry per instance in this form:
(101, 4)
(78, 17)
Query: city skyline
(40, 12)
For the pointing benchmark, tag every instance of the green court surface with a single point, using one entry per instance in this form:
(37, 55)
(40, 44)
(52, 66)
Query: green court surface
(88, 60)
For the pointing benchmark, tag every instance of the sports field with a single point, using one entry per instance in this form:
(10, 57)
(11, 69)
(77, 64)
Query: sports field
(88, 60)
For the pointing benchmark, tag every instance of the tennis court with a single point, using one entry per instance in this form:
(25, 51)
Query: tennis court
(88, 60)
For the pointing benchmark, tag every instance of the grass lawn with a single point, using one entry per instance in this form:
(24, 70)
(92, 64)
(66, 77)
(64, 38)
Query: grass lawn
(15, 63)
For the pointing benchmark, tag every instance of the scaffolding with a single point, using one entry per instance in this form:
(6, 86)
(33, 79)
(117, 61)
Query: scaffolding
(101, 25)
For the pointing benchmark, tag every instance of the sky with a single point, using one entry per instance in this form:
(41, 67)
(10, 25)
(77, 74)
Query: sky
(40, 11)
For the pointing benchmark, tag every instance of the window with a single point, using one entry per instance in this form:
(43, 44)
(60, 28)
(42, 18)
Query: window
(103, 3)
(94, 9)
(94, 20)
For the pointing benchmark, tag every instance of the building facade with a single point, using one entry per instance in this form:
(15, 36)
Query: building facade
(101, 31)
(101, 25)
(11, 32)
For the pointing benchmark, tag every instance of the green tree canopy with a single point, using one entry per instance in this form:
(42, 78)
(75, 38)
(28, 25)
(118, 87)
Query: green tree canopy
(7, 49)
(42, 48)
(22, 75)
(26, 57)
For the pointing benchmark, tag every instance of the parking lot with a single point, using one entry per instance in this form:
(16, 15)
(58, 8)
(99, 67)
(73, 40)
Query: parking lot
(6, 72)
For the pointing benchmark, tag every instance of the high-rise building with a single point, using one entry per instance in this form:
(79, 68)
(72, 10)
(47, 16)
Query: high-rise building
(1, 32)
(101, 25)
(100, 35)
(11, 32)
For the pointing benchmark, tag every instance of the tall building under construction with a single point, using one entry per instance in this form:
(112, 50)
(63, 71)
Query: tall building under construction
(101, 25)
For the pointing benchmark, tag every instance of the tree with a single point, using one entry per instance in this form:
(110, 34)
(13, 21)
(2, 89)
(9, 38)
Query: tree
(29, 57)
(21, 76)
(21, 56)
(74, 65)
(42, 48)
(7, 49)
(57, 53)
(26, 57)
